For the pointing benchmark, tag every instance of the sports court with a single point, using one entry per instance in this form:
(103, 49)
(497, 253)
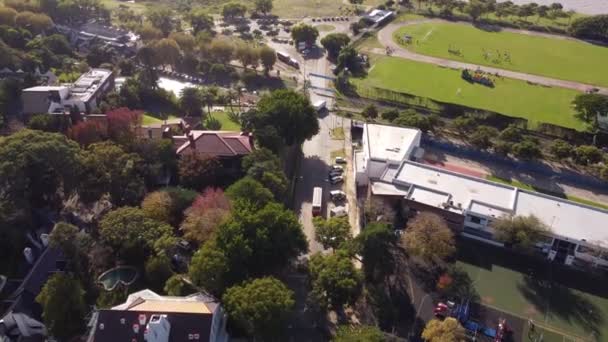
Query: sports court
(541, 302)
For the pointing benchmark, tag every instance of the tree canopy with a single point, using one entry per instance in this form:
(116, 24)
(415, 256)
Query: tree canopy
(130, 233)
(590, 107)
(208, 211)
(520, 231)
(63, 306)
(287, 111)
(198, 171)
(335, 280)
(263, 6)
(334, 42)
(265, 167)
(304, 33)
(447, 330)
(428, 236)
(332, 233)
(249, 190)
(260, 307)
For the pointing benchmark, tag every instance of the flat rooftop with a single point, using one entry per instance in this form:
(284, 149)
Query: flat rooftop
(389, 143)
(88, 83)
(436, 187)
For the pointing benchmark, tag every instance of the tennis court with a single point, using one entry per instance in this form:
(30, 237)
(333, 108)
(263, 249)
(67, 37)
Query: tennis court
(563, 304)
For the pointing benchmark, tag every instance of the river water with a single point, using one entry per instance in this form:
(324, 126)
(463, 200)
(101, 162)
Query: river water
(581, 6)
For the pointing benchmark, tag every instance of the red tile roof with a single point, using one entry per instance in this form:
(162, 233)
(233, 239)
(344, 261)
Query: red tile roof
(217, 143)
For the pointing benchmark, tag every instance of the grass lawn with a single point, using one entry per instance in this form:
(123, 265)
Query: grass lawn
(307, 8)
(227, 124)
(562, 301)
(510, 97)
(325, 27)
(524, 186)
(137, 6)
(337, 133)
(148, 119)
(558, 58)
(337, 153)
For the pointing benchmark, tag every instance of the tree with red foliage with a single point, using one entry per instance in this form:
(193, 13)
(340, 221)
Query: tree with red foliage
(88, 132)
(122, 123)
(198, 171)
(444, 282)
(207, 212)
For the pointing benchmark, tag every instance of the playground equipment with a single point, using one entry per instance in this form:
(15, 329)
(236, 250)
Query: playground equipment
(462, 313)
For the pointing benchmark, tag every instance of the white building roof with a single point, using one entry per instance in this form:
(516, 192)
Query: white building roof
(389, 143)
(89, 83)
(44, 88)
(438, 187)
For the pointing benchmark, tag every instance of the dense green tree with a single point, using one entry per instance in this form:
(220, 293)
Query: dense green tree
(520, 231)
(200, 21)
(209, 268)
(36, 169)
(158, 271)
(110, 169)
(63, 306)
(148, 33)
(263, 6)
(374, 245)
(130, 233)
(289, 112)
(390, 115)
(268, 57)
(158, 205)
(511, 134)
(332, 233)
(334, 42)
(249, 190)
(191, 102)
(265, 167)
(362, 333)
(167, 51)
(411, 118)
(370, 112)
(304, 33)
(349, 59)
(335, 280)
(185, 41)
(198, 171)
(74, 246)
(161, 18)
(590, 27)
(260, 307)
(233, 10)
(34, 22)
(176, 286)
(429, 237)
(247, 55)
(221, 50)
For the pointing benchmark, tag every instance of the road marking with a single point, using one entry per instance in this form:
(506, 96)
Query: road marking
(428, 34)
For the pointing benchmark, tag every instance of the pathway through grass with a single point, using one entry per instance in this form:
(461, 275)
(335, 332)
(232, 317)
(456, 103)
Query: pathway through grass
(557, 58)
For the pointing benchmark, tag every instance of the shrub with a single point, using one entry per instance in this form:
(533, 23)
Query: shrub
(587, 154)
(483, 136)
(527, 149)
(390, 115)
(561, 149)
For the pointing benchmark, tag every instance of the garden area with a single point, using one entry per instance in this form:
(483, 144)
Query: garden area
(564, 304)
(566, 59)
(535, 103)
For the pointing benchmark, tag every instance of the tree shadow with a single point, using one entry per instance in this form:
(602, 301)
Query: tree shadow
(312, 173)
(555, 299)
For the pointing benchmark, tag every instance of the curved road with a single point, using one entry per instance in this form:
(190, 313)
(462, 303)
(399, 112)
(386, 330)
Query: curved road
(385, 37)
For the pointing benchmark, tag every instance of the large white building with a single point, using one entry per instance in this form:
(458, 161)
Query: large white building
(469, 204)
(85, 94)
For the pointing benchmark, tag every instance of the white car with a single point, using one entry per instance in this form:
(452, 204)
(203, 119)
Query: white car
(340, 160)
(336, 180)
(335, 173)
(338, 211)
(337, 195)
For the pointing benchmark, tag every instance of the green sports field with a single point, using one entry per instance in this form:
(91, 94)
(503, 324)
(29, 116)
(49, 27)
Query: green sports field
(564, 304)
(510, 97)
(552, 57)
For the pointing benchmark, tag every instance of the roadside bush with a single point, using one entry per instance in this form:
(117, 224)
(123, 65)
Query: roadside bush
(593, 27)
(561, 149)
(511, 134)
(390, 115)
(482, 137)
(503, 147)
(411, 118)
(587, 154)
(527, 149)
(370, 112)
(464, 124)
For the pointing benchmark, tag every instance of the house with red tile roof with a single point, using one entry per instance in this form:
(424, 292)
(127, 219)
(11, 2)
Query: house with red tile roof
(220, 144)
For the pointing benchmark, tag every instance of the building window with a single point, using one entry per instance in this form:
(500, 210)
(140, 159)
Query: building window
(474, 219)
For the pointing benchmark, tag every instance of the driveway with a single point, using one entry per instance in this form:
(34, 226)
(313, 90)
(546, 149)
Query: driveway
(385, 37)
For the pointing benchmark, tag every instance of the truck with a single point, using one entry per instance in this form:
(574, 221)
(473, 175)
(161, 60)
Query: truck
(319, 105)
(317, 201)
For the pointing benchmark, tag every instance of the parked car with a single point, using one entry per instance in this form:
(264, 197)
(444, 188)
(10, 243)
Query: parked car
(337, 195)
(336, 180)
(338, 211)
(336, 167)
(340, 160)
(334, 173)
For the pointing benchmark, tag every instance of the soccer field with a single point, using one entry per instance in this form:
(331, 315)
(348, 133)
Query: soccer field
(552, 57)
(564, 304)
(510, 97)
